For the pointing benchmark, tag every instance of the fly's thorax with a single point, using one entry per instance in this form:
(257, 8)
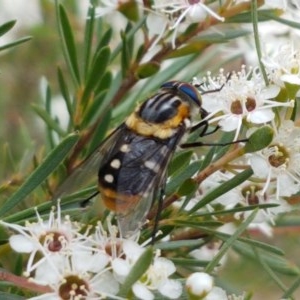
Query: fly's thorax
(162, 130)
(162, 107)
(160, 116)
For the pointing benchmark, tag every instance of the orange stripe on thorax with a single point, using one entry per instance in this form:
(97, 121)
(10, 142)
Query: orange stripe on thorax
(162, 130)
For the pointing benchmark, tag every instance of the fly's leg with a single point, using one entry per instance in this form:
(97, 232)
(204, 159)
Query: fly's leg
(158, 214)
(86, 202)
(205, 132)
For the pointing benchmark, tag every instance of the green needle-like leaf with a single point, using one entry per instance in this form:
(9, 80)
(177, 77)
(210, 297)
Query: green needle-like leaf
(68, 43)
(178, 179)
(7, 27)
(51, 162)
(222, 189)
(275, 262)
(88, 37)
(99, 66)
(126, 55)
(15, 43)
(140, 267)
(48, 120)
(65, 93)
(229, 242)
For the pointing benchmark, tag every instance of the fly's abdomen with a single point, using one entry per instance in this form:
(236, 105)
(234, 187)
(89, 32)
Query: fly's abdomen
(118, 202)
(129, 173)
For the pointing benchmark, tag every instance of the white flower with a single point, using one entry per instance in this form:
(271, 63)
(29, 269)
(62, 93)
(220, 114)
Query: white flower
(157, 278)
(69, 280)
(53, 237)
(261, 226)
(106, 7)
(199, 284)
(253, 194)
(157, 25)
(179, 12)
(121, 253)
(194, 11)
(247, 193)
(216, 294)
(117, 12)
(109, 6)
(122, 264)
(280, 162)
(227, 200)
(208, 251)
(242, 97)
(283, 66)
(107, 242)
(124, 253)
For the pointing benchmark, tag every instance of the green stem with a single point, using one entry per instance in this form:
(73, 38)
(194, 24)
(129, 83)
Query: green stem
(254, 17)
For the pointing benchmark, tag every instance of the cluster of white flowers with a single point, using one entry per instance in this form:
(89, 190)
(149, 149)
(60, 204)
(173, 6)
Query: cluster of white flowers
(242, 98)
(166, 16)
(81, 262)
(75, 262)
(242, 101)
(177, 15)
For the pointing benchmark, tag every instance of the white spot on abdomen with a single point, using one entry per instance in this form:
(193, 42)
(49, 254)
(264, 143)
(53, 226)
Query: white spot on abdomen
(109, 178)
(115, 163)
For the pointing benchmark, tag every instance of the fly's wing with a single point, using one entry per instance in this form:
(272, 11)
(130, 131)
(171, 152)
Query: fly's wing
(132, 221)
(143, 173)
(85, 175)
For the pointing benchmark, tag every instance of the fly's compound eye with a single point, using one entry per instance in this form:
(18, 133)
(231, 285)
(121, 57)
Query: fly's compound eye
(191, 92)
(185, 89)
